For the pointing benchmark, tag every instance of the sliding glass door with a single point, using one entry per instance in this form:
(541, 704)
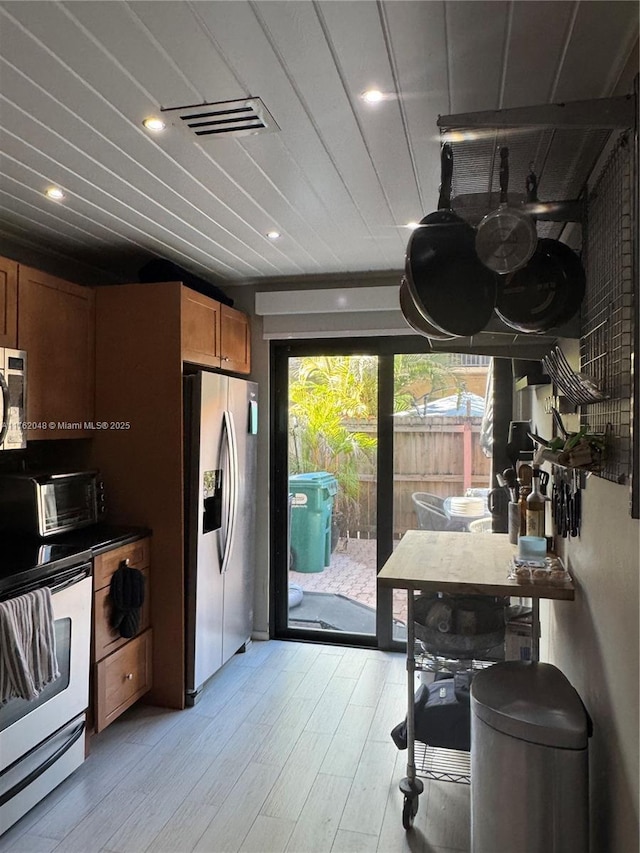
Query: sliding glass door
(368, 442)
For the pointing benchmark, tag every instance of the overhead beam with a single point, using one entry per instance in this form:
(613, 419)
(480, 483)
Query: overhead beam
(606, 113)
(473, 206)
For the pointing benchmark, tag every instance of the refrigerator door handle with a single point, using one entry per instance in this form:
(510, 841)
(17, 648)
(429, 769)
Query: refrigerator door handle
(234, 487)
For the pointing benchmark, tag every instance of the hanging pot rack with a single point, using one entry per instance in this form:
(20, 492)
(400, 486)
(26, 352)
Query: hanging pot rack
(560, 142)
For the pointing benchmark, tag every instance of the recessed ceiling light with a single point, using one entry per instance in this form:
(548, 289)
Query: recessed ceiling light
(55, 193)
(412, 225)
(154, 124)
(273, 235)
(372, 96)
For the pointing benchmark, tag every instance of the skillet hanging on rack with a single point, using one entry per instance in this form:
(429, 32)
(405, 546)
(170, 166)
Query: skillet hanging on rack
(506, 238)
(546, 293)
(549, 290)
(415, 319)
(450, 287)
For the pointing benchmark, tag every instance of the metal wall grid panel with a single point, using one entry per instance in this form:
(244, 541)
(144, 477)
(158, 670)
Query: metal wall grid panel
(606, 344)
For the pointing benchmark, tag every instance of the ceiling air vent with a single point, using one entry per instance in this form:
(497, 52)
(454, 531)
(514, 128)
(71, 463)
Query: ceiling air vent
(245, 117)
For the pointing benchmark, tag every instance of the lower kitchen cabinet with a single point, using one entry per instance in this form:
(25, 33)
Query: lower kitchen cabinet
(122, 667)
(122, 678)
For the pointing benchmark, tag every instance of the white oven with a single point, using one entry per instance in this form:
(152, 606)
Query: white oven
(41, 741)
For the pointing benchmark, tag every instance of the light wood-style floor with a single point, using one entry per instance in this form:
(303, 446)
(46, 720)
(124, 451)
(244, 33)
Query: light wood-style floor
(288, 750)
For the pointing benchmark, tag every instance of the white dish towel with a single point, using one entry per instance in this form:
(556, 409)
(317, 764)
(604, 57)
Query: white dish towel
(27, 645)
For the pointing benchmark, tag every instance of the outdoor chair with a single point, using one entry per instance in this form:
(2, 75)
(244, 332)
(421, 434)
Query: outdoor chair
(428, 498)
(429, 511)
(481, 525)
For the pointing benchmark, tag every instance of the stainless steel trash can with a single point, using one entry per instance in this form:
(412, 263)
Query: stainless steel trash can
(529, 762)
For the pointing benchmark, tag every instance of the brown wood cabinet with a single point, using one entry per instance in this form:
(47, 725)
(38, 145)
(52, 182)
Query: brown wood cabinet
(144, 333)
(200, 328)
(122, 666)
(122, 678)
(56, 328)
(235, 340)
(213, 334)
(8, 303)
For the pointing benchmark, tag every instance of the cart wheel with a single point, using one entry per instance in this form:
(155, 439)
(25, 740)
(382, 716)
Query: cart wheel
(409, 811)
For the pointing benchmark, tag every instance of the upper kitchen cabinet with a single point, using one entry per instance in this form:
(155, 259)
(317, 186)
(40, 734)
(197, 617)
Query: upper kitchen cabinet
(56, 323)
(8, 303)
(200, 328)
(235, 340)
(213, 334)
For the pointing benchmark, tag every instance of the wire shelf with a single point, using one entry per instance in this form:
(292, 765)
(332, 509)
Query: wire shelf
(442, 765)
(606, 344)
(426, 662)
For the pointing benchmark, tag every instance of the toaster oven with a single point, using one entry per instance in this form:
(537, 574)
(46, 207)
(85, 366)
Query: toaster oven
(48, 504)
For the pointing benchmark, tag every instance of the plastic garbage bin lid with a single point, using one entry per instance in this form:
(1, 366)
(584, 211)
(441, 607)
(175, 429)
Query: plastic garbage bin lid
(533, 702)
(314, 480)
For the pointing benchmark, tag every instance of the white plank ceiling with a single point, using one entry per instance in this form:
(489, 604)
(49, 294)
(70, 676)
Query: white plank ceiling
(339, 179)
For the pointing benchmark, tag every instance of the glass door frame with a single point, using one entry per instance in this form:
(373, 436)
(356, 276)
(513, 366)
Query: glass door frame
(385, 348)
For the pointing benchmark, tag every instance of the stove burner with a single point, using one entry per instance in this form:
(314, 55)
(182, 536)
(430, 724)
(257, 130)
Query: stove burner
(26, 563)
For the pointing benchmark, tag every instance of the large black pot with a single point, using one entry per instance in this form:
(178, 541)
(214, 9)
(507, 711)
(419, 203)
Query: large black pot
(449, 285)
(547, 292)
(415, 319)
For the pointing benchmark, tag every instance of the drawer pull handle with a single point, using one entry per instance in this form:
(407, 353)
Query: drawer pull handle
(129, 676)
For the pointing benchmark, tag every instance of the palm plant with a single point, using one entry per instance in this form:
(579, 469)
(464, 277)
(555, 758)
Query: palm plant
(326, 392)
(323, 393)
(412, 371)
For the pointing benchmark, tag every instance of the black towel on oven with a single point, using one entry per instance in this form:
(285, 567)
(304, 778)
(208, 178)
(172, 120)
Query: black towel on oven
(127, 597)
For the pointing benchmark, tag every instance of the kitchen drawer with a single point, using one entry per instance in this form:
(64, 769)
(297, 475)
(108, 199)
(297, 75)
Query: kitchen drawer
(105, 638)
(122, 678)
(104, 565)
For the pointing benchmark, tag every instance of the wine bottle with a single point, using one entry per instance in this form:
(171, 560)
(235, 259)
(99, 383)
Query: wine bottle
(535, 509)
(523, 494)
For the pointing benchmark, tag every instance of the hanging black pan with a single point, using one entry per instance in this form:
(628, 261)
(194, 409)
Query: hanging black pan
(545, 293)
(449, 285)
(415, 319)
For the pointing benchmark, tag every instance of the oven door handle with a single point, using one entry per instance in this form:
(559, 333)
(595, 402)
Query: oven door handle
(5, 409)
(69, 582)
(42, 768)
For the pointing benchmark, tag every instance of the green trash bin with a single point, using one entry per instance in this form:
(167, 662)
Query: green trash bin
(311, 514)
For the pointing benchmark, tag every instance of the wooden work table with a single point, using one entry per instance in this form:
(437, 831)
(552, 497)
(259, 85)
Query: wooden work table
(463, 564)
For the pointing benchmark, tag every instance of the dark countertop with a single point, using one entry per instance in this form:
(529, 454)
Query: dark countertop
(29, 561)
(101, 537)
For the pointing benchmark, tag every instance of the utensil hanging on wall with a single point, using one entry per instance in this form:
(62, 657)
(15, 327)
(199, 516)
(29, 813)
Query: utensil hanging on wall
(547, 292)
(519, 441)
(450, 287)
(506, 238)
(578, 388)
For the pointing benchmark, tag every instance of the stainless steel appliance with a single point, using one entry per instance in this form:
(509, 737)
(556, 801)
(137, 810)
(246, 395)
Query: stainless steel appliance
(13, 391)
(220, 460)
(42, 741)
(48, 504)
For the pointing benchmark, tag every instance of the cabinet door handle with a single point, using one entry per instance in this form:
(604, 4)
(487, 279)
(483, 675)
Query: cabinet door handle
(129, 676)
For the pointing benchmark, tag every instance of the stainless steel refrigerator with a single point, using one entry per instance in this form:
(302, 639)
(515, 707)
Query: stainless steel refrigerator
(220, 428)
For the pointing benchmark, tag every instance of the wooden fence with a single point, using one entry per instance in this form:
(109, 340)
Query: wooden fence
(441, 455)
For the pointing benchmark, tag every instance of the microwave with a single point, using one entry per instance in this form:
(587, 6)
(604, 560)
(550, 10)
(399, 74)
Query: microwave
(13, 394)
(47, 504)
